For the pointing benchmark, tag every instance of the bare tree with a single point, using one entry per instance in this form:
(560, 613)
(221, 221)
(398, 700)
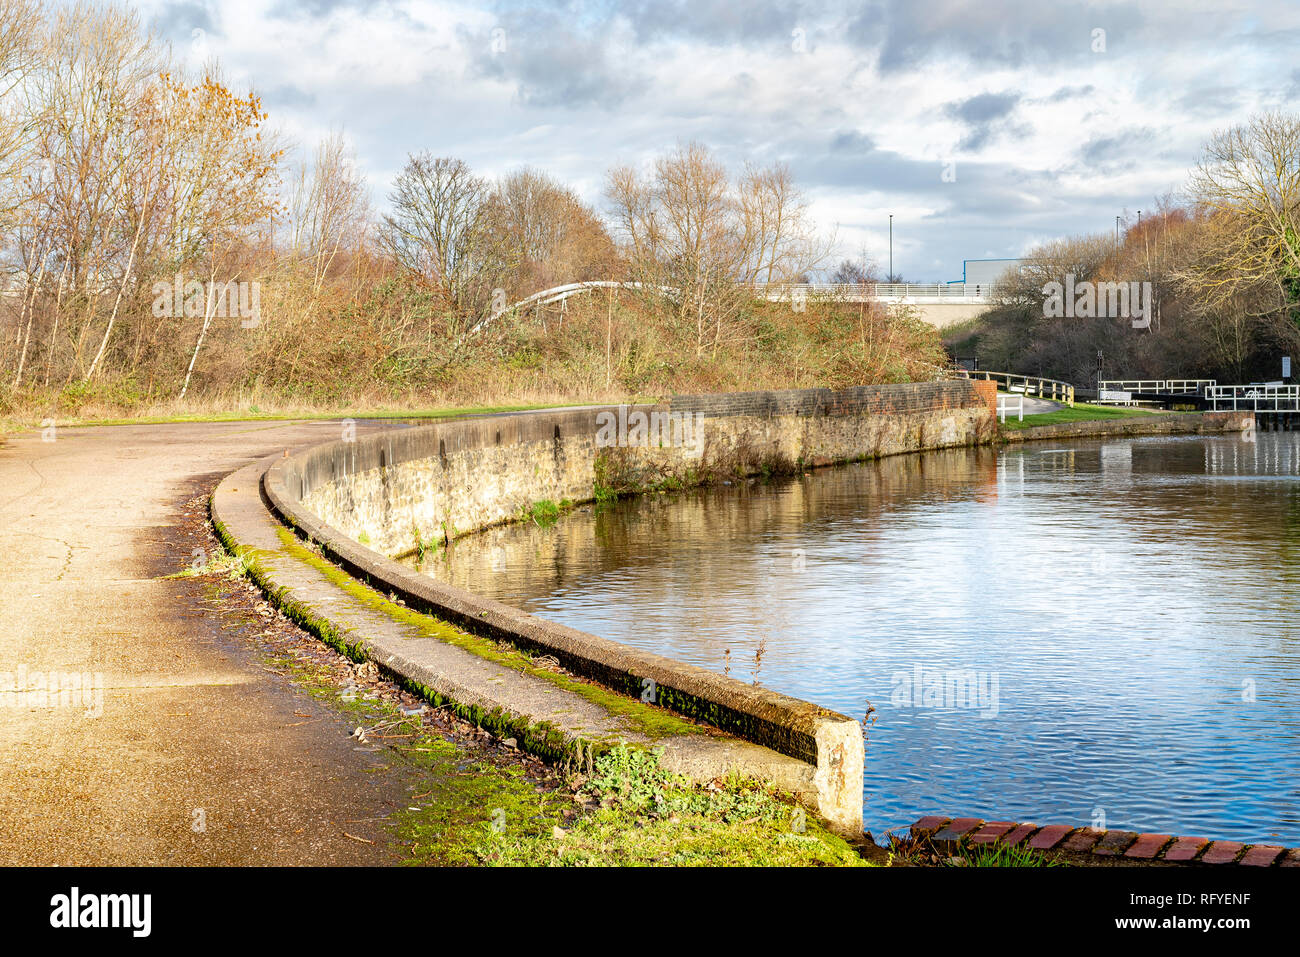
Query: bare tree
(552, 237)
(1249, 180)
(225, 170)
(439, 229)
(97, 64)
(330, 213)
(690, 228)
(855, 272)
(20, 39)
(779, 242)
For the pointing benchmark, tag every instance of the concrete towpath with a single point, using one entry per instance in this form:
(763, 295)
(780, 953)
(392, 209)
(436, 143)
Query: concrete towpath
(199, 754)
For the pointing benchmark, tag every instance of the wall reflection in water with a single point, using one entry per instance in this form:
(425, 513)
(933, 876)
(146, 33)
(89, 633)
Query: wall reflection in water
(1131, 601)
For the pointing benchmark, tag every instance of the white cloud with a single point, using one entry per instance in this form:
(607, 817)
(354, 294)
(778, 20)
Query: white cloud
(578, 88)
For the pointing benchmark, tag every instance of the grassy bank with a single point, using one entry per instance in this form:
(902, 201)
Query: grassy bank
(1081, 412)
(468, 808)
(628, 811)
(602, 349)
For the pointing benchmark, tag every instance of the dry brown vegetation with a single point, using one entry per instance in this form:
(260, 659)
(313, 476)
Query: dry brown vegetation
(165, 251)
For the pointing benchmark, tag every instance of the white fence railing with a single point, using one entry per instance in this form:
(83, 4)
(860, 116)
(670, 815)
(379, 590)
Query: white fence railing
(1178, 386)
(1005, 405)
(1186, 386)
(1254, 398)
(1052, 389)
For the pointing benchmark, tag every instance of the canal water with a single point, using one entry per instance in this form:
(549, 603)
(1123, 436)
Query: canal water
(1102, 632)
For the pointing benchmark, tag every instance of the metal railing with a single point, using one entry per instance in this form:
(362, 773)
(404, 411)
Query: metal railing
(927, 292)
(1254, 398)
(1186, 386)
(561, 293)
(1053, 389)
(1178, 386)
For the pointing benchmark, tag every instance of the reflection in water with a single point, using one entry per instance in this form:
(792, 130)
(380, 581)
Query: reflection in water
(1130, 603)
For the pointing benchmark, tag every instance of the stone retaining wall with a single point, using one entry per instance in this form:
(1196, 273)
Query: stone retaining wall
(404, 488)
(860, 400)
(368, 500)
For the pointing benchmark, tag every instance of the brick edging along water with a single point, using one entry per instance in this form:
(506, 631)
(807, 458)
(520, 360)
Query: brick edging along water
(950, 834)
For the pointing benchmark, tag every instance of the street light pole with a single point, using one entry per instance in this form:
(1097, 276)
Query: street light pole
(891, 247)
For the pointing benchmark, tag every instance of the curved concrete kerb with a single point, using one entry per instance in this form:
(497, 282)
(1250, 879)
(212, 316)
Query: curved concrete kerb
(555, 716)
(396, 490)
(830, 743)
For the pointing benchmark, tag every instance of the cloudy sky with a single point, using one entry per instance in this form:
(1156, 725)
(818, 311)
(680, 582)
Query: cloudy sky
(984, 127)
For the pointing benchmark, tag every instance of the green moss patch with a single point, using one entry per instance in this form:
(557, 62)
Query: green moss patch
(544, 513)
(643, 717)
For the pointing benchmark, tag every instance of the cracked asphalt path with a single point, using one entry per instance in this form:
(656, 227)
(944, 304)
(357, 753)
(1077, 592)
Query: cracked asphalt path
(199, 755)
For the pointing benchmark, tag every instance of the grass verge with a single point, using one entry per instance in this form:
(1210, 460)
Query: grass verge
(638, 814)
(256, 415)
(921, 852)
(1082, 412)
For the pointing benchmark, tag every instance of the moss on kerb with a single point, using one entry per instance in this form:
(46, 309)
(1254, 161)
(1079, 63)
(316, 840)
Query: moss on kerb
(774, 721)
(645, 718)
(538, 737)
(297, 612)
(795, 739)
(541, 738)
(624, 687)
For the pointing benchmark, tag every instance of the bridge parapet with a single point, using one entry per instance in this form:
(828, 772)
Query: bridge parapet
(891, 292)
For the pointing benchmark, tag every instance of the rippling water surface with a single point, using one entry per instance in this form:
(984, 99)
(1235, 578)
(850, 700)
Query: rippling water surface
(1127, 608)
